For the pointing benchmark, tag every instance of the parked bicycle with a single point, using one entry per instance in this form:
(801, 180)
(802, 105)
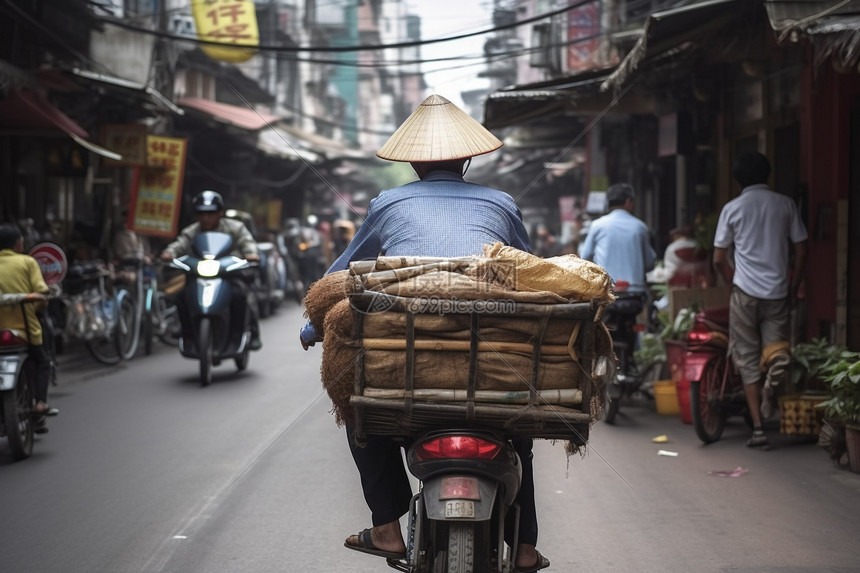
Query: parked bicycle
(130, 277)
(93, 314)
(160, 315)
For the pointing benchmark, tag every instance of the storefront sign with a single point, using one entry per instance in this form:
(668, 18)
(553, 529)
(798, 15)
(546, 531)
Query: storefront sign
(127, 139)
(227, 22)
(583, 33)
(52, 262)
(157, 189)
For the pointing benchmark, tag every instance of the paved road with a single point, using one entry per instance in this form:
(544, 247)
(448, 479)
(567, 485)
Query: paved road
(145, 471)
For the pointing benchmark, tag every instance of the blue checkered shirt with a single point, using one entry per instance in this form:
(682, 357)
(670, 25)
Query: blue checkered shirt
(439, 216)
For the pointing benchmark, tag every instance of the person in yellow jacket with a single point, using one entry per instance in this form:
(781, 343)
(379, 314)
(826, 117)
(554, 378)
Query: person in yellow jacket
(21, 280)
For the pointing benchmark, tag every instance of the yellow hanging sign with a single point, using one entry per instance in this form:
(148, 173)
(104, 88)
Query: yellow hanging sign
(227, 22)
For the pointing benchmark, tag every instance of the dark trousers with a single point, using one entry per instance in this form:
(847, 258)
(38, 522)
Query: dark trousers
(42, 363)
(387, 490)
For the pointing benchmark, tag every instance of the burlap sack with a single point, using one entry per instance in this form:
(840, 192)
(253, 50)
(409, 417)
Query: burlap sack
(568, 276)
(443, 369)
(456, 327)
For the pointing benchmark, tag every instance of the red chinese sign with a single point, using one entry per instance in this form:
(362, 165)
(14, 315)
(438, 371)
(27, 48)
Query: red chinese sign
(157, 188)
(228, 22)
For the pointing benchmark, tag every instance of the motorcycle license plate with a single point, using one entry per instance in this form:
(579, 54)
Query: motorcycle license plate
(459, 508)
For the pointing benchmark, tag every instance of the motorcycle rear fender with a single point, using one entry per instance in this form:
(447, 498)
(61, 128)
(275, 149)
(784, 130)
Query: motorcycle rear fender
(435, 507)
(11, 367)
(694, 364)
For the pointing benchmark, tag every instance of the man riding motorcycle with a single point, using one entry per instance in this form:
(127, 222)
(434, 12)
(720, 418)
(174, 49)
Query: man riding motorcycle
(209, 209)
(439, 216)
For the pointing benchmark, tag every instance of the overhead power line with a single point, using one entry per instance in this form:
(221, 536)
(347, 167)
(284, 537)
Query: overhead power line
(358, 48)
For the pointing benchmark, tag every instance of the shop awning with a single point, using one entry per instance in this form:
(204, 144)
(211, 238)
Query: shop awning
(833, 27)
(122, 84)
(668, 32)
(247, 118)
(577, 94)
(28, 112)
(330, 148)
(276, 141)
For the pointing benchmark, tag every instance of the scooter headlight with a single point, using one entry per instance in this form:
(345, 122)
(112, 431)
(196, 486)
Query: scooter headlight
(208, 268)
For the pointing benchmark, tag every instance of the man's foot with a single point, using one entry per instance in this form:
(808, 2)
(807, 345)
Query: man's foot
(43, 409)
(40, 425)
(758, 440)
(540, 562)
(375, 542)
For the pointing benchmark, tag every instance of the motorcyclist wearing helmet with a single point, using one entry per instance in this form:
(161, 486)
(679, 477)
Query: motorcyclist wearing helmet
(209, 210)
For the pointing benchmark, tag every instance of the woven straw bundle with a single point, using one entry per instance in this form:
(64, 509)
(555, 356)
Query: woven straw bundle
(325, 293)
(338, 368)
(438, 131)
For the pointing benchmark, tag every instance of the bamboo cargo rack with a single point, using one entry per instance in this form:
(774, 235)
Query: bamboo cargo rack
(533, 411)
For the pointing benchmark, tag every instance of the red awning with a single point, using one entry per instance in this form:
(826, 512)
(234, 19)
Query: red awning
(243, 117)
(29, 110)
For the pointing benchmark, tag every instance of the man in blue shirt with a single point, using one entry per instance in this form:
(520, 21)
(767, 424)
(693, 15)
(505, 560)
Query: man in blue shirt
(439, 216)
(621, 243)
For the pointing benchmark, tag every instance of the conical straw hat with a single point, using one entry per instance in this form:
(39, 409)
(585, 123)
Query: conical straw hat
(438, 131)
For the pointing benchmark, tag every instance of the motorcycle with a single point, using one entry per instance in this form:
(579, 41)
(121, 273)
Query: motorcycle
(620, 318)
(271, 283)
(716, 389)
(469, 480)
(215, 327)
(17, 381)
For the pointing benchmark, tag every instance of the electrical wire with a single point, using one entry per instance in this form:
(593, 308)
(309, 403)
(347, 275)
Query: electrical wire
(358, 48)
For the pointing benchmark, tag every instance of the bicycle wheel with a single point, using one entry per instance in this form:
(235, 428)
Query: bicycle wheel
(16, 415)
(709, 417)
(104, 348)
(147, 318)
(128, 325)
(170, 328)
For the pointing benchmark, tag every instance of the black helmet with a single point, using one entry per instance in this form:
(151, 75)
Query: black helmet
(208, 202)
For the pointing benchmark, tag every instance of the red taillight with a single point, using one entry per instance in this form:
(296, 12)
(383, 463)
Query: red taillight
(9, 338)
(639, 328)
(699, 334)
(453, 447)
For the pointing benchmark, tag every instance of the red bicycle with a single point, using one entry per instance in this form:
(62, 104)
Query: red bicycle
(716, 389)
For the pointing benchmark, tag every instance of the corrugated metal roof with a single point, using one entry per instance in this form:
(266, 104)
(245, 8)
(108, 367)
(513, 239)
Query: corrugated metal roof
(832, 26)
(671, 30)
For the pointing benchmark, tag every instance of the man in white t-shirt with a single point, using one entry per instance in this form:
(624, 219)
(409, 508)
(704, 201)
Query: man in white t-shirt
(761, 225)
